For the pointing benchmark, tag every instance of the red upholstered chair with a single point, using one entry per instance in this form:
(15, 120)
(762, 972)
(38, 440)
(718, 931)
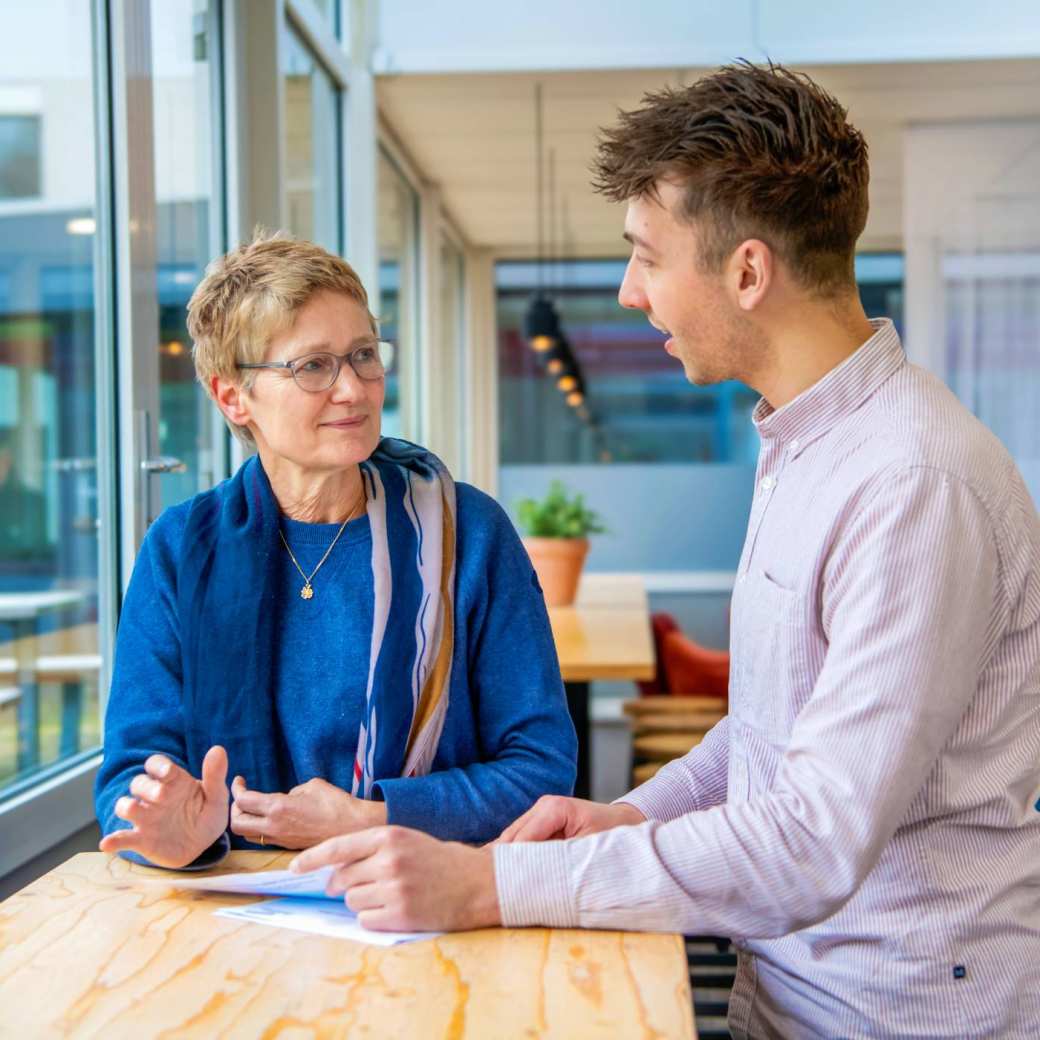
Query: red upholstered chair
(691, 669)
(688, 695)
(684, 667)
(661, 625)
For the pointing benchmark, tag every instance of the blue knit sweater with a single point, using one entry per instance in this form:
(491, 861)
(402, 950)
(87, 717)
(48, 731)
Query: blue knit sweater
(507, 738)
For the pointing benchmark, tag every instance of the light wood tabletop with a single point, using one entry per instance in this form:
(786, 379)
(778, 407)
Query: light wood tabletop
(92, 949)
(606, 633)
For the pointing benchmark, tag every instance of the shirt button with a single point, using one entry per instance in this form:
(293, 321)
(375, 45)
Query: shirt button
(793, 446)
(767, 483)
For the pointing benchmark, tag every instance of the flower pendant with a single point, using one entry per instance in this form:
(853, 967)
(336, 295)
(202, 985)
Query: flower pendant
(306, 592)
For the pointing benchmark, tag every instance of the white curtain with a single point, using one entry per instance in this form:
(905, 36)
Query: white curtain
(971, 223)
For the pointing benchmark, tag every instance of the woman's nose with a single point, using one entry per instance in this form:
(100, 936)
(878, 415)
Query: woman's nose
(348, 385)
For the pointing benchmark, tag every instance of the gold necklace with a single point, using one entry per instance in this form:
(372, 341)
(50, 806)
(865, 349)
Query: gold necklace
(307, 592)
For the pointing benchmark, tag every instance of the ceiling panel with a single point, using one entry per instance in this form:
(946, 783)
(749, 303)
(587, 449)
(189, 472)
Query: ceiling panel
(473, 136)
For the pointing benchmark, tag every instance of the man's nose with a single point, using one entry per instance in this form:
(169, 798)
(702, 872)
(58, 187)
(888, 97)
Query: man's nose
(631, 293)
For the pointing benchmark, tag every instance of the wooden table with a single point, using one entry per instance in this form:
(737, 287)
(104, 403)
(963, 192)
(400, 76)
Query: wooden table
(87, 950)
(604, 635)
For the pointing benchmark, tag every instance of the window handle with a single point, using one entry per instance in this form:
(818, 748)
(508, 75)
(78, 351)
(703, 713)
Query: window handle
(163, 464)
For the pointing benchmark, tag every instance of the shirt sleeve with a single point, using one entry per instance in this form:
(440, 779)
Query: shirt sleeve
(912, 609)
(143, 715)
(695, 782)
(525, 738)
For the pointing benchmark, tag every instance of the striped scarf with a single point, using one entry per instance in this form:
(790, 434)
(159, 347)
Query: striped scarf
(411, 511)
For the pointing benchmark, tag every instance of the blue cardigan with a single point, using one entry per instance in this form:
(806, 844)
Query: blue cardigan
(507, 738)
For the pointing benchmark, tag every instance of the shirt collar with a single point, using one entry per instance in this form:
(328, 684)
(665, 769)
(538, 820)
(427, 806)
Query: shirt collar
(843, 389)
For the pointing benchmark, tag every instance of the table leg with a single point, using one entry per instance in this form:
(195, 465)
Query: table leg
(71, 712)
(29, 701)
(578, 703)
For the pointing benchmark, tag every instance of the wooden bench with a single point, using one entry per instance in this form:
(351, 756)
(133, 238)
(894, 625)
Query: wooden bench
(63, 668)
(64, 656)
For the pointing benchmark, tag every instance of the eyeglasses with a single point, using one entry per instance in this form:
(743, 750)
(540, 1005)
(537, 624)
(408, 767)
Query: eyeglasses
(317, 372)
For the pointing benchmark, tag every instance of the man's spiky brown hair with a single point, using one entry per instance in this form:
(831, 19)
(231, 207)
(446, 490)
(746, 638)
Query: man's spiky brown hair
(759, 152)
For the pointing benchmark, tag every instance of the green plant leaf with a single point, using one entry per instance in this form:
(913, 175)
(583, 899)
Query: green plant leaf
(557, 515)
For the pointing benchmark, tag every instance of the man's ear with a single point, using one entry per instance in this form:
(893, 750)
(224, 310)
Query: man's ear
(750, 272)
(231, 399)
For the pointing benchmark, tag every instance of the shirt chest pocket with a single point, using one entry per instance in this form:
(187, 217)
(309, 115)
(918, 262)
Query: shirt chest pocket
(772, 655)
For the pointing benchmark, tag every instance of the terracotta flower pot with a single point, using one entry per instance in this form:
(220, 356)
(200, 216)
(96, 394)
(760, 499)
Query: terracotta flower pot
(558, 563)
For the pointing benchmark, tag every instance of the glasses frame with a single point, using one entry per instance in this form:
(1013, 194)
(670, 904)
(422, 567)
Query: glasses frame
(339, 359)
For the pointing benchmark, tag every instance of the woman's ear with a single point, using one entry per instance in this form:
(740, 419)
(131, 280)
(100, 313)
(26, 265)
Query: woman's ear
(231, 399)
(750, 273)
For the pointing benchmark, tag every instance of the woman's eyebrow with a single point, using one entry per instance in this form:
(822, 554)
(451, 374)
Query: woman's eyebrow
(326, 348)
(310, 348)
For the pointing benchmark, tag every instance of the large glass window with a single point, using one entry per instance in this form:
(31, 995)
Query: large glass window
(638, 405)
(49, 653)
(451, 354)
(398, 208)
(188, 232)
(20, 171)
(330, 10)
(312, 133)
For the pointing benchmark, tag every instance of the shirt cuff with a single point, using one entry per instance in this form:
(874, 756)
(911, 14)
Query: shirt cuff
(661, 798)
(533, 884)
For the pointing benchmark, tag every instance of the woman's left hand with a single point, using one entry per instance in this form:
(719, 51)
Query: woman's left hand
(307, 815)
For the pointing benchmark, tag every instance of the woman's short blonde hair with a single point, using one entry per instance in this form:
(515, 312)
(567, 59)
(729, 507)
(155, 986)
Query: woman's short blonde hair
(253, 293)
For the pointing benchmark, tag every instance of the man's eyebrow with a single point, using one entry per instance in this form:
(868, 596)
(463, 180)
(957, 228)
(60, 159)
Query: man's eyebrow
(635, 240)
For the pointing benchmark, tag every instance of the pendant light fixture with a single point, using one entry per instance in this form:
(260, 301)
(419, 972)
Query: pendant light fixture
(541, 322)
(542, 327)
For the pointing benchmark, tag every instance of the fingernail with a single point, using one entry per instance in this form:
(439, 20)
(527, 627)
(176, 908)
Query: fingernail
(294, 866)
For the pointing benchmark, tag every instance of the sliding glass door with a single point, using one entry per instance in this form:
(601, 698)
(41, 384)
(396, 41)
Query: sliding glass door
(110, 208)
(50, 486)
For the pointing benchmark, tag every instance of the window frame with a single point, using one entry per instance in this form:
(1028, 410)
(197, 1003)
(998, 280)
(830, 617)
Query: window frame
(42, 810)
(410, 365)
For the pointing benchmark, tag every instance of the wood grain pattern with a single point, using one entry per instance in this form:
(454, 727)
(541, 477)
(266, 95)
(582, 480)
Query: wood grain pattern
(95, 948)
(606, 633)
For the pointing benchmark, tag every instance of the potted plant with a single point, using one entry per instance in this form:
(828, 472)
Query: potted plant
(556, 531)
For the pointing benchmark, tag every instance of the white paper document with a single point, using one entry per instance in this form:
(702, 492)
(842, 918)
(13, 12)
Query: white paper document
(322, 917)
(258, 883)
(305, 907)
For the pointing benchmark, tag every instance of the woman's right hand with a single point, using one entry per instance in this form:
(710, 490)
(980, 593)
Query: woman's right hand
(174, 817)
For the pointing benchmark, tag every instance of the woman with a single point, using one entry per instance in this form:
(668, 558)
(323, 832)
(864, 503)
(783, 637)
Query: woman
(356, 638)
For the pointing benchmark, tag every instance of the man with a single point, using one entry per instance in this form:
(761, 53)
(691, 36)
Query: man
(863, 822)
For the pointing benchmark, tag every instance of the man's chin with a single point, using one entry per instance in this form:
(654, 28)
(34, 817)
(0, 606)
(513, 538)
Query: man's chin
(699, 377)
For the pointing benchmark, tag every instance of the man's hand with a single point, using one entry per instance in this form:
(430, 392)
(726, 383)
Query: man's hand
(401, 880)
(175, 817)
(553, 817)
(305, 816)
